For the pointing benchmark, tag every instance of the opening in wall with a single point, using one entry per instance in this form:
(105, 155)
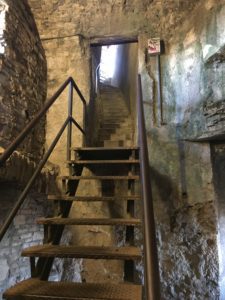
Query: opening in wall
(3, 10)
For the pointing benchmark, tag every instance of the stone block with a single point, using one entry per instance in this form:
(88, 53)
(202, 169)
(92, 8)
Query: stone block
(4, 269)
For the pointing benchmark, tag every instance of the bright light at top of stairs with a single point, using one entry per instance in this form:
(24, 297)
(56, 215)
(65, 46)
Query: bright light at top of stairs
(108, 61)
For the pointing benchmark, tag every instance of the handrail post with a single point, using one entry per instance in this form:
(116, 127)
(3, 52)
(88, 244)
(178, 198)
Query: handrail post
(84, 125)
(20, 138)
(70, 116)
(26, 190)
(152, 279)
(97, 73)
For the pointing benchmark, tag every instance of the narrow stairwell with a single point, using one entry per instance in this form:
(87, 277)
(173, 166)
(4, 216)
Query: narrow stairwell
(116, 127)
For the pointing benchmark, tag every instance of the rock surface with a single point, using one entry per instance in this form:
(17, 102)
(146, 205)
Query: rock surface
(193, 104)
(23, 76)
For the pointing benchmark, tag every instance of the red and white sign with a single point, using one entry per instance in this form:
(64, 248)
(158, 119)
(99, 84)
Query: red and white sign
(154, 46)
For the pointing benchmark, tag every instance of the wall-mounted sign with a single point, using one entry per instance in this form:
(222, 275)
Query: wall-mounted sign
(154, 46)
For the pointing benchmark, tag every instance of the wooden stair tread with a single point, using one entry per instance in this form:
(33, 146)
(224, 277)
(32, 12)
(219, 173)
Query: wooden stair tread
(88, 221)
(100, 177)
(86, 162)
(91, 198)
(104, 148)
(34, 289)
(106, 153)
(47, 250)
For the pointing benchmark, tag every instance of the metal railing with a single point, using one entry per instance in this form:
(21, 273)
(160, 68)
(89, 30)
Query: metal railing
(152, 280)
(15, 144)
(97, 78)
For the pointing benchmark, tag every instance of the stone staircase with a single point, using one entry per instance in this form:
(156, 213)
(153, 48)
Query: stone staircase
(115, 160)
(116, 127)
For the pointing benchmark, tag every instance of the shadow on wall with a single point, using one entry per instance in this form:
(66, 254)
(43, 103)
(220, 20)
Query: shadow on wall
(166, 193)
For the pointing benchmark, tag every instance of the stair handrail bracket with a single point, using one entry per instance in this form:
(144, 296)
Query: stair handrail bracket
(152, 278)
(28, 129)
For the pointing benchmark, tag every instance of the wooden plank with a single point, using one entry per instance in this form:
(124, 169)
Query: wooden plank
(34, 289)
(123, 253)
(131, 177)
(88, 221)
(104, 148)
(93, 162)
(92, 198)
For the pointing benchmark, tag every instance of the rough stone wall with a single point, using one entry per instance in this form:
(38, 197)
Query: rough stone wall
(22, 94)
(22, 233)
(23, 76)
(193, 73)
(218, 161)
(181, 171)
(91, 17)
(66, 57)
(128, 76)
(183, 188)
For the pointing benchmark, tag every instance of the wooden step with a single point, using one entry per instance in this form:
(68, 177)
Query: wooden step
(106, 153)
(103, 162)
(88, 221)
(105, 148)
(131, 177)
(91, 198)
(47, 250)
(34, 289)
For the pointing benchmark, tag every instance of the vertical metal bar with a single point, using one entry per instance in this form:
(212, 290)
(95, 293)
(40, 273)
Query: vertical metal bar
(13, 146)
(152, 281)
(22, 197)
(84, 123)
(32, 266)
(160, 100)
(97, 79)
(70, 115)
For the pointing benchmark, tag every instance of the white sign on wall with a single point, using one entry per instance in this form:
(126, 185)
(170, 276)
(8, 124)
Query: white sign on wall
(154, 46)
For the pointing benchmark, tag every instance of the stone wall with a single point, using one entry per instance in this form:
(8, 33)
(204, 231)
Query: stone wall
(192, 76)
(22, 233)
(22, 94)
(128, 78)
(23, 76)
(184, 191)
(95, 18)
(218, 161)
(66, 57)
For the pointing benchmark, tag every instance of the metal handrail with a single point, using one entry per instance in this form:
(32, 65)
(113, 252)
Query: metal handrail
(14, 145)
(97, 78)
(152, 279)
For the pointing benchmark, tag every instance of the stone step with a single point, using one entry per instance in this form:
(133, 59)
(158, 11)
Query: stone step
(113, 137)
(115, 112)
(121, 136)
(115, 116)
(91, 252)
(113, 129)
(88, 221)
(93, 198)
(35, 289)
(117, 143)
